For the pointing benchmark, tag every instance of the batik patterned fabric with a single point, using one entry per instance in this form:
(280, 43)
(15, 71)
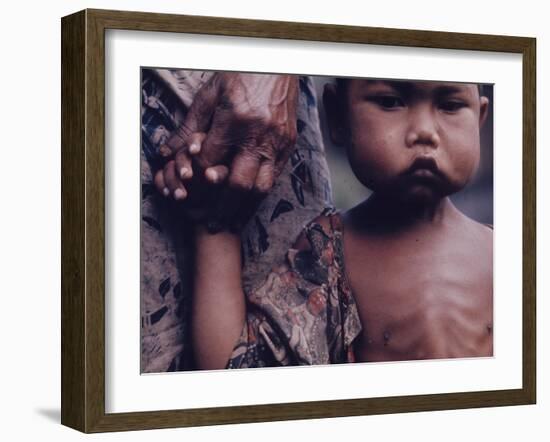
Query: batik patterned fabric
(302, 192)
(304, 312)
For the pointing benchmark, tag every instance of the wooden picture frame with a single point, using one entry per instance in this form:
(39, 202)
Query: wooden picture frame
(83, 220)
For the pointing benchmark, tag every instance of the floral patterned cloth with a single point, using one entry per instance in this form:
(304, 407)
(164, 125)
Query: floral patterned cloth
(300, 194)
(304, 313)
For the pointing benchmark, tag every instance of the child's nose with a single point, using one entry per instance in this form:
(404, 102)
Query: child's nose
(422, 128)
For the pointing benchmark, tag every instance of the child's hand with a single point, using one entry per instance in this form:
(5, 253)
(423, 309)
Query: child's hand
(175, 179)
(206, 193)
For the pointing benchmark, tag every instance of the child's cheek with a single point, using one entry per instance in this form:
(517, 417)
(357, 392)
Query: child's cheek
(465, 161)
(368, 165)
(360, 166)
(376, 151)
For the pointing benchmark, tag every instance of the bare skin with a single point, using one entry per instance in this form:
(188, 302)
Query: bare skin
(424, 290)
(218, 310)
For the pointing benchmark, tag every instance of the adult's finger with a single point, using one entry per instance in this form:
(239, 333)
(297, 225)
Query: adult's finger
(265, 177)
(216, 174)
(222, 136)
(244, 170)
(195, 142)
(200, 112)
(184, 167)
(197, 118)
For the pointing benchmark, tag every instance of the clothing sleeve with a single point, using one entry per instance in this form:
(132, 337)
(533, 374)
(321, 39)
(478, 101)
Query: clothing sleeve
(296, 316)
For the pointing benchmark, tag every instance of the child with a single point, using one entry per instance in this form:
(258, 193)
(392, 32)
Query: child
(402, 276)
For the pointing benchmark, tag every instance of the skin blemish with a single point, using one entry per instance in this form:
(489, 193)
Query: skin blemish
(387, 337)
(489, 329)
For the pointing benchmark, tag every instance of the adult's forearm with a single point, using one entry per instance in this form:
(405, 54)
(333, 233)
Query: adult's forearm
(218, 312)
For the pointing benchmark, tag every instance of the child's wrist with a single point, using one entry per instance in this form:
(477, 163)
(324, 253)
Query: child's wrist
(204, 232)
(213, 248)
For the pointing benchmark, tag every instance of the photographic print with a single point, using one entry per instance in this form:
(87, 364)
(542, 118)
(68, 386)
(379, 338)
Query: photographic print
(309, 220)
(309, 231)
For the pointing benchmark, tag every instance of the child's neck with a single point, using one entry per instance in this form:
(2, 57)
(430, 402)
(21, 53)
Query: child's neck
(381, 214)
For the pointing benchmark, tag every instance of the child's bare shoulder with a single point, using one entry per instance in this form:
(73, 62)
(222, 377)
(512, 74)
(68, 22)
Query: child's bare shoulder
(478, 231)
(476, 240)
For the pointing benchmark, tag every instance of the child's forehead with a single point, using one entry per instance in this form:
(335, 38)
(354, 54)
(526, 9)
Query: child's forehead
(411, 86)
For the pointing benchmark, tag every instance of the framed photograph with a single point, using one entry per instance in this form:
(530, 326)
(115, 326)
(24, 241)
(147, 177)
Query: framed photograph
(267, 221)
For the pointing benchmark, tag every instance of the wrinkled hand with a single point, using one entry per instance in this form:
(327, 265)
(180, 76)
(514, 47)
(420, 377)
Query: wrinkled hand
(200, 191)
(240, 130)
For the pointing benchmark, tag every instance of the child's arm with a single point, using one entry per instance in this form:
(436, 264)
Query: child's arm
(218, 304)
(218, 311)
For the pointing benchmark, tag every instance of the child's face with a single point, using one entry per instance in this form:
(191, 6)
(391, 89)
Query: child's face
(416, 140)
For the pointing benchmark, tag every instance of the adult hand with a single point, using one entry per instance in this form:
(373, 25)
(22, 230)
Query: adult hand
(246, 122)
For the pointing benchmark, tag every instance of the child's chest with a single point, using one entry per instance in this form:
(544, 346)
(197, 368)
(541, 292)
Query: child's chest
(418, 300)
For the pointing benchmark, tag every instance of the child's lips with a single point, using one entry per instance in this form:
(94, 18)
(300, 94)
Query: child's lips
(423, 173)
(424, 168)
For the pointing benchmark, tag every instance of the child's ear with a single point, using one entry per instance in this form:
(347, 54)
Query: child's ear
(336, 118)
(483, 110)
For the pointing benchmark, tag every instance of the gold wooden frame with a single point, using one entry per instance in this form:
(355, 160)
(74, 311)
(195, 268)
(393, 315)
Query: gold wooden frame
(83, 218)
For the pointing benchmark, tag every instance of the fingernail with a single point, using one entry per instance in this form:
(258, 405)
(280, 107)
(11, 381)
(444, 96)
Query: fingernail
(194, 148)
(180, 194)
(212, 175)
(184, 172)
(165, 191)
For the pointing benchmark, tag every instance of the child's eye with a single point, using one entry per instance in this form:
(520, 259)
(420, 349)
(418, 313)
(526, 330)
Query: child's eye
(451, 105)
(387, 101)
